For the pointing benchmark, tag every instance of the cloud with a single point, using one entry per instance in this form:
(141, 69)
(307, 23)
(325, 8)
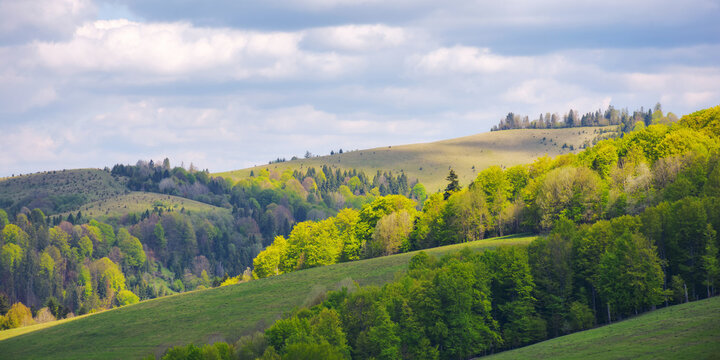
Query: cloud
(23, 20)
(357, 37)
(25, 148)
(465, 59)
(181, 50)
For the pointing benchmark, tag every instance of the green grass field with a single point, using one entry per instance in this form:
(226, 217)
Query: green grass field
(58, 191)
(225, 313)
(138, 202)
(687, 331)
(429, 162)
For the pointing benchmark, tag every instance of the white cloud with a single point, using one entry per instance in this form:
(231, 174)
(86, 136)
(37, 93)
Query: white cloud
(464, 59)
(28, 19)
(181, 50)
(357, 37)
(26, 145)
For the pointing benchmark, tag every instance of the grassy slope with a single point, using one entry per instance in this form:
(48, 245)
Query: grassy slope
(36, 190)
(223, 313)
(137, 202)
(508, 148)
(687, 331)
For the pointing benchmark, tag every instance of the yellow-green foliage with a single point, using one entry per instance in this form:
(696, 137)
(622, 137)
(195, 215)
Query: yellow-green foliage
(47, 264)
(267, 262)
(244, 277)
(131, 248)
(310, 244)
(659, 141)
(340, 238)
(126, 297)
(19, 315)
(284, 183)
(573, 192)
(108, 274)
(13, 234)
(601, 157)
(391, 233)
(707, 120)
(60, 239)
(11, 255)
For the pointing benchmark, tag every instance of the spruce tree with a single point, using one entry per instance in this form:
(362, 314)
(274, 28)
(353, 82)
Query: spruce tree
(453, 184)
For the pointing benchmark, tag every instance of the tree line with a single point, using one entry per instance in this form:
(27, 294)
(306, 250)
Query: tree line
(610, 116)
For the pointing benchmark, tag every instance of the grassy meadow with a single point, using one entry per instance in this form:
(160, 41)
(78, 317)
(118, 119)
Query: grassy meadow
(138, 202)
(224, 313)
(687, 331)
(429, 162)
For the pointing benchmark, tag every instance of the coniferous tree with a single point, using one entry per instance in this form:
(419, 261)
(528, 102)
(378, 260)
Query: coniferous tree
(453, 184)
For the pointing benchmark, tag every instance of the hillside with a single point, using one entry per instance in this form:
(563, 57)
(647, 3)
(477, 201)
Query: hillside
(429, 162)
(223, 313)
(138, 202)
(57, 191)
(687, 331)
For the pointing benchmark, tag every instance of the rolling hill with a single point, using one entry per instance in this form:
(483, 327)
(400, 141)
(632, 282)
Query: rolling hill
(687, 331)
(224, 313)
(58, 191)
(137, 202)
(429, 162)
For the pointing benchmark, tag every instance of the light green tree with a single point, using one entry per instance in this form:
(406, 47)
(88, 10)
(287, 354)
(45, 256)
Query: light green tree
(131, 247)
(13, 234)
(267, 262)
(126, 297)
(47, 265)
(391, 234)
(86, 246)
(419, 193)
(11, 255)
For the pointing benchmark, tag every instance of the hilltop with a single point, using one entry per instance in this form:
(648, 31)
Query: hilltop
(138, 202)
(58, 191)
(429, 162)
(223, 313)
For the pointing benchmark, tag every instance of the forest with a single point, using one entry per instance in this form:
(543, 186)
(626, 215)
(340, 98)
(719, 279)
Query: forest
(629, 226)
(66, 265)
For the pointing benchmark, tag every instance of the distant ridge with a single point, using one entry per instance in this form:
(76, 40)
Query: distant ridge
(430, 162)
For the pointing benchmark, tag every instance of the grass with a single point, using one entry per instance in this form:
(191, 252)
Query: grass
(687, 331)
(138, 202)
(58, 191)
(225, 313)
(429, 162)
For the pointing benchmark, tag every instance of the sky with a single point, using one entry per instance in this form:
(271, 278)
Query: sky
(229, 84)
